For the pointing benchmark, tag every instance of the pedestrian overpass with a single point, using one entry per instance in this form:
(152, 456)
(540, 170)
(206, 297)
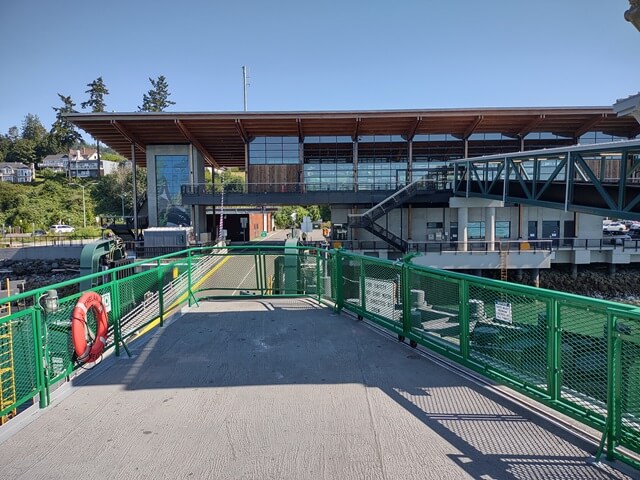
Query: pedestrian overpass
(252, 362)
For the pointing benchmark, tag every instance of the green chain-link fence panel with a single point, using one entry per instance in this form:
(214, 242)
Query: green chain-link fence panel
(139, 301)
(327, 272)
(381, 290)
(349, 280)
(18, 364)
(507, 330)
(584, 356)
(628, 332)
(435, 307)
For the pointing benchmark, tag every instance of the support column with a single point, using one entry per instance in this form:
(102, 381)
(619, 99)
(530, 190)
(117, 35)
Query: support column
(612, 269)
(535, 277)
(466, 148)
(410, 163)
(135, 191)
(409, 223)
(355, 166)
(574, 271)
(522, 143)
(463, 219)
(490, 229)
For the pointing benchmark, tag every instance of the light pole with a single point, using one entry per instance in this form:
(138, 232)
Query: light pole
(84, 205)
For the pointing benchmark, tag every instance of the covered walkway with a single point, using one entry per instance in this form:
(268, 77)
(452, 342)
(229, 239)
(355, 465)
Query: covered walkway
(279, 388)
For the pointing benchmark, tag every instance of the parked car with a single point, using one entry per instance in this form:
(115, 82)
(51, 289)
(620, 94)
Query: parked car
(614, 227)
(616, 237)
(58, 229)
(39, 233)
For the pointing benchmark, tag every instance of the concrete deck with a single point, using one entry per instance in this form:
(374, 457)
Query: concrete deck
(275, 389)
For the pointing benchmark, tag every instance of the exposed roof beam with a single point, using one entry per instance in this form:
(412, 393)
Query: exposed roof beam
(472, 126)
(529, 126)
(126, 134)
(300, 132)
(194, 141)
(414, 127)
(242, 131)
(354, 135)
(588, 125)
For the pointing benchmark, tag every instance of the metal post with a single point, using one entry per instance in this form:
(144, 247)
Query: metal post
(463, 293)
(339, 283)
(244, 86)
(161, 292)
(116, 313)
(189, 293)
(406, 299)
(39, 354)
(135, 191)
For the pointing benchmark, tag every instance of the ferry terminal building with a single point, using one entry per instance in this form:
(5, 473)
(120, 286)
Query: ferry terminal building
(351, 160)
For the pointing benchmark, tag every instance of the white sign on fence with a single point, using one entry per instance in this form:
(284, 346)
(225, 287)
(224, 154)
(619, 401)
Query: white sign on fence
(503, 312)
(106, 299)
(380, 297)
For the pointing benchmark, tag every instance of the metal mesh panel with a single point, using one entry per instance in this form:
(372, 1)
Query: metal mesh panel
(18, 371)
(382, 290)
(308, 274)
(628, 330)
(327, 273)
(435, 307)
(350, 279)
(508, 331)
(584, 356)
(231, 275)
(138, 301)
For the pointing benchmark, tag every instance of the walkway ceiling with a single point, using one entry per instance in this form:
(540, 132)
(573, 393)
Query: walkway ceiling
(221, 137)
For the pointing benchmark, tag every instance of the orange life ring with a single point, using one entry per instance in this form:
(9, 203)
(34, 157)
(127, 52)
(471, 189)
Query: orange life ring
(89, 352)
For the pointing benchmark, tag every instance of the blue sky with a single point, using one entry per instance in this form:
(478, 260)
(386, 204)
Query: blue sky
(317, 55)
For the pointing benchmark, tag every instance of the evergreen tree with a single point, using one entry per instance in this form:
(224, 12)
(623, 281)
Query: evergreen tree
(32, 128)
(157, 99)
(62, 129)
(97, 91)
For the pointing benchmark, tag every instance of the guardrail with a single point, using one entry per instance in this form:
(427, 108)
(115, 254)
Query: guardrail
(578, 355)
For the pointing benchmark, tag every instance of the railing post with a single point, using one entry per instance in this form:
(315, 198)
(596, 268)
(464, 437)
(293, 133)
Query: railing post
(363, 297)
(189, 292)
(318, 277)
(116, 312)
(338, 281)
(161, 291)
(406, 298)
(611, 385)
(553, 331)
(39, 354)
(463, 294)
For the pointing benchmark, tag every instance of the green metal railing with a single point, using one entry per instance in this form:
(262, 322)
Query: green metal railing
(578, 355)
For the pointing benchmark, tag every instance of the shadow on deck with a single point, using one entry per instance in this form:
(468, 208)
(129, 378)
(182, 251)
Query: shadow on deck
(286, 389)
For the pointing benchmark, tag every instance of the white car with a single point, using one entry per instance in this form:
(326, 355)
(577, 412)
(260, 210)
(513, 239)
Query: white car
(57, 229)
(614, 227)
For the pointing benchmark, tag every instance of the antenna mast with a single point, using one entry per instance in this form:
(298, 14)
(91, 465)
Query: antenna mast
(244, 86)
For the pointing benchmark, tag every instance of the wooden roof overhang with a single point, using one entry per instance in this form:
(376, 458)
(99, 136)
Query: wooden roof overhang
(221, 137)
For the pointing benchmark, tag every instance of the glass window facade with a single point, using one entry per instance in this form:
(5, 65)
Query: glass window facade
(172, 171)
(328, 163)
(382, 162)
(503, 229)
(475, 230)
(598, 137)
(274, 151)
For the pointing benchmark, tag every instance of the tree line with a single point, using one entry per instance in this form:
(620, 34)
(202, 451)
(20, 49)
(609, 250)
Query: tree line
(32, 142)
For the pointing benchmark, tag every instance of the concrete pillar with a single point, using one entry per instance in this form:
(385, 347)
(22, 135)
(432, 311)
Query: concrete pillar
(463, 220)
(518, 275)
(612, 269)
(535, 276)
(477, 272)
(355, 166)
(490, 229)
(574, 270)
